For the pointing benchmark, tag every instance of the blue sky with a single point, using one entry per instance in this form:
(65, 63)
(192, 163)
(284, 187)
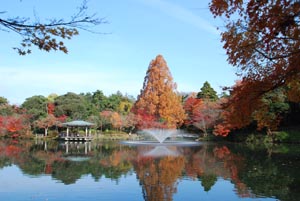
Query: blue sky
(184, 32)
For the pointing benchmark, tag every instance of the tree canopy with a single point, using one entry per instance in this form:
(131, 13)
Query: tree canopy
(207, 92)
(262, 39)
(158, 99)
(36, 106)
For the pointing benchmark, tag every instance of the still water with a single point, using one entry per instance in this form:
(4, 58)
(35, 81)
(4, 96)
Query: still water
(50, 171)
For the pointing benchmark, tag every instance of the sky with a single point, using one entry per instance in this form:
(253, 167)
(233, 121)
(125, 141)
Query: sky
(184, 32)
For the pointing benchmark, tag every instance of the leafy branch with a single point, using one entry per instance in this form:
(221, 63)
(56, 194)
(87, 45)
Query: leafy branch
(49, 36)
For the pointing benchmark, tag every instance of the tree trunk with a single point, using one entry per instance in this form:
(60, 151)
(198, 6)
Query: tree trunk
(46, 131)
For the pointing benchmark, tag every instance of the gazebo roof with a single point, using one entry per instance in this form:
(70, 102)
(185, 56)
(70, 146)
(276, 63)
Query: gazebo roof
(78, 123)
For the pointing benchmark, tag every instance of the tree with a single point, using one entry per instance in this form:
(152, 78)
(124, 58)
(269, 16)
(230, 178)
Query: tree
(105, 119)
(99, 100)
(129, 122)
(191, 107)
(3, 101)
(36, 107)
(47, 122)
(262, 40)
(113, 101)
(48, 35)
(208, 180)
(201, 113)
(72, 105)
(207, 117)
(207, 92)
(158, 98)
(271, 111)
(13, 121)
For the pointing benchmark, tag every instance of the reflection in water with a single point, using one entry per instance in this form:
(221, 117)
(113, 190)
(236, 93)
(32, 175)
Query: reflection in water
(159, 151)
(161, 171)
(75, 148)
(158, 177)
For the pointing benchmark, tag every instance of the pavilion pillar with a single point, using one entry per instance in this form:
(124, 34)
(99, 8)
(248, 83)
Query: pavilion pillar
(86, 131)
(85, 148)
(67, 148)
(67, 131)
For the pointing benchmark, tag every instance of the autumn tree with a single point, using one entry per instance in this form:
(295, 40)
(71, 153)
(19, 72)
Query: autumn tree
(262, 40)
(129, 122)
(207, 92)
(191, 107)
(106, 119)
(202, 114)
(13, 121)
(158, 98)
(47, 122)
(49, 34)
(207, 117)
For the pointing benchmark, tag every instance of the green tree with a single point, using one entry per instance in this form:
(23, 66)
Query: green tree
(51, 97)
(3, 101)
(272, 110)
(72, 105)
(207, 181)
(5, 108)
(207, 92)
(48, 34)
(36, 107)
(99, 100)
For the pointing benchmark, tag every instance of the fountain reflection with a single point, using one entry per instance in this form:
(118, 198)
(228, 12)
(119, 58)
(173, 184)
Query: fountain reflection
(160, 151)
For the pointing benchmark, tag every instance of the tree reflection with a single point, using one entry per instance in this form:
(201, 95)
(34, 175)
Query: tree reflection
(254, 172)
(158, 176)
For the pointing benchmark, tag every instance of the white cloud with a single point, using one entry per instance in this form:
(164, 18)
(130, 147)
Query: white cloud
(182, 14)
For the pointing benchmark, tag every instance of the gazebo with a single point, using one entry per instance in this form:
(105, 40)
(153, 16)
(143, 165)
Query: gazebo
(76, 136)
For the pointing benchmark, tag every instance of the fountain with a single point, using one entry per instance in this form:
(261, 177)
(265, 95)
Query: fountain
(164, 142)
(161, 137)
(160, 134)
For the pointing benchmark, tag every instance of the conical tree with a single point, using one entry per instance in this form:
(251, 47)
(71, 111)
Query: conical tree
(207, 92)
(158, 104)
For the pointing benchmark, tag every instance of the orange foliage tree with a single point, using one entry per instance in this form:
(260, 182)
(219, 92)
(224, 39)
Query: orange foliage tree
(191, 107)
(201, 113)
(13, 121)
(110, 119)
(158, 101)
(47, 122)
(266, 111)
(262, 39)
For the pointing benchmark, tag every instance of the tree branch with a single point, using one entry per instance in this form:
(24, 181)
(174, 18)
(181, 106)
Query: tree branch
(45, 35)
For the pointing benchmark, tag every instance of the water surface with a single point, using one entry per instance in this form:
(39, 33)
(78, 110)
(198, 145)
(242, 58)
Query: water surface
(37, 170)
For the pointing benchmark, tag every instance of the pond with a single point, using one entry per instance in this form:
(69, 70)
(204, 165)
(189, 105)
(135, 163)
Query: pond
(53, 171)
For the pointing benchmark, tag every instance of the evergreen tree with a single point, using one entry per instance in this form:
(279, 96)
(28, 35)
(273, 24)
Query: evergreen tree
(36, 106)
(158, 98)
(207, 92)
